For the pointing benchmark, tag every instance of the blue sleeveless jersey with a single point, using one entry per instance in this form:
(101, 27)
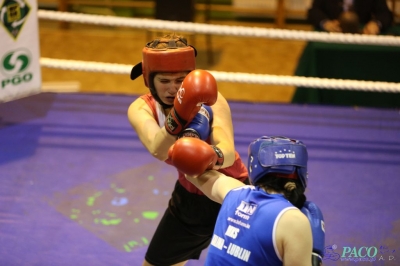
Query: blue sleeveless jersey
(245, 230)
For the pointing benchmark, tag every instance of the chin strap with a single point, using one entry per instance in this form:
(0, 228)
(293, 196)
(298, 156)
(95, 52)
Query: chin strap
(157, 98)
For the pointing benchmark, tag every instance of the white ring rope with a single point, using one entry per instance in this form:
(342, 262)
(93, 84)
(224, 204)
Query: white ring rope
(322, 83)
(220, 29)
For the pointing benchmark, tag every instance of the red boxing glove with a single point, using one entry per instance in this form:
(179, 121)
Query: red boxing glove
(198, 87)
(193, 156)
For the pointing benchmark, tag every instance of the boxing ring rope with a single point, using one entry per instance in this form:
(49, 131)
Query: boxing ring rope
(339, 84)
(202, 28)
(239, 31)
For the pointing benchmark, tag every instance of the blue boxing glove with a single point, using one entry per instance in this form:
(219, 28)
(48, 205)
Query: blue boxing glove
(314, 214)
(200, 127)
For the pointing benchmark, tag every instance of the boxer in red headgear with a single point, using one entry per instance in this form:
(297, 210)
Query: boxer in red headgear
(183, 102)
(166, 55)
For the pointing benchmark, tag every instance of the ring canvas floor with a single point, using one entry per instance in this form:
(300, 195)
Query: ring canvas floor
(78, 188)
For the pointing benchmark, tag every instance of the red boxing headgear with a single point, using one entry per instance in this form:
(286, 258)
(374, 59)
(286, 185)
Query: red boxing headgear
(168, 58)
(167, 54)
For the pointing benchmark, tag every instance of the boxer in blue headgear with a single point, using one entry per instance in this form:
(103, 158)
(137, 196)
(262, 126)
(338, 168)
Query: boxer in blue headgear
(258, 224)
(274, 160)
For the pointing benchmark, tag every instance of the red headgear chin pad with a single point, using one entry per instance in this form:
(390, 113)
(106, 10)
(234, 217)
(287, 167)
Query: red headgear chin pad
(178, 59)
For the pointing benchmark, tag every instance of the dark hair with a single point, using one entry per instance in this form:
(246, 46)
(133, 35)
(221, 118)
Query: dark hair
(289, 187)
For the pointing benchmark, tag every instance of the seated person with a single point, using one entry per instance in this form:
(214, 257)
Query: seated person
(370, 16)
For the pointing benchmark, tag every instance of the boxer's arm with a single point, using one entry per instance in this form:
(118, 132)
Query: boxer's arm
(194, 157)
(294, 238)
(214, 185)
(156, 140)
(316, 219)
(222, 130)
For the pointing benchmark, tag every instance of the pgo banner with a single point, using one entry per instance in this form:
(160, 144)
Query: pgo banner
(20, 74)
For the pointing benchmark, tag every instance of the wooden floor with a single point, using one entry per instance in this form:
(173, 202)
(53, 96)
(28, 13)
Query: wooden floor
(124, 45)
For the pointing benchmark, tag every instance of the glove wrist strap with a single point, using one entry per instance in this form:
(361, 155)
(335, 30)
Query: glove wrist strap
(189, 132)
(220, 160)
(174, 124)
(316, 259)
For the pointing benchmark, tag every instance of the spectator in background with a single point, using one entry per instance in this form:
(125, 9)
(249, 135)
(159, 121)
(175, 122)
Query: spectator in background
(351, 16)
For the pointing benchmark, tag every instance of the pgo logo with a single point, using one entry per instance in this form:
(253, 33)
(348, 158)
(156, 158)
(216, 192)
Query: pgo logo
(15, 62)
(13, 14)
(15, 65)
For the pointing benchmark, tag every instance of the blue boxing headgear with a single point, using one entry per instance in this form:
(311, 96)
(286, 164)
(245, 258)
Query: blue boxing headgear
(277, 155)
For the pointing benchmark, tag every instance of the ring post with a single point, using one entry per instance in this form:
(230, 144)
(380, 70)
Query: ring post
(20, 74)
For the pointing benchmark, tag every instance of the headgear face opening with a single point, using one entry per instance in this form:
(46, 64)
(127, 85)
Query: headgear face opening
(279, 155)
(164, 55)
